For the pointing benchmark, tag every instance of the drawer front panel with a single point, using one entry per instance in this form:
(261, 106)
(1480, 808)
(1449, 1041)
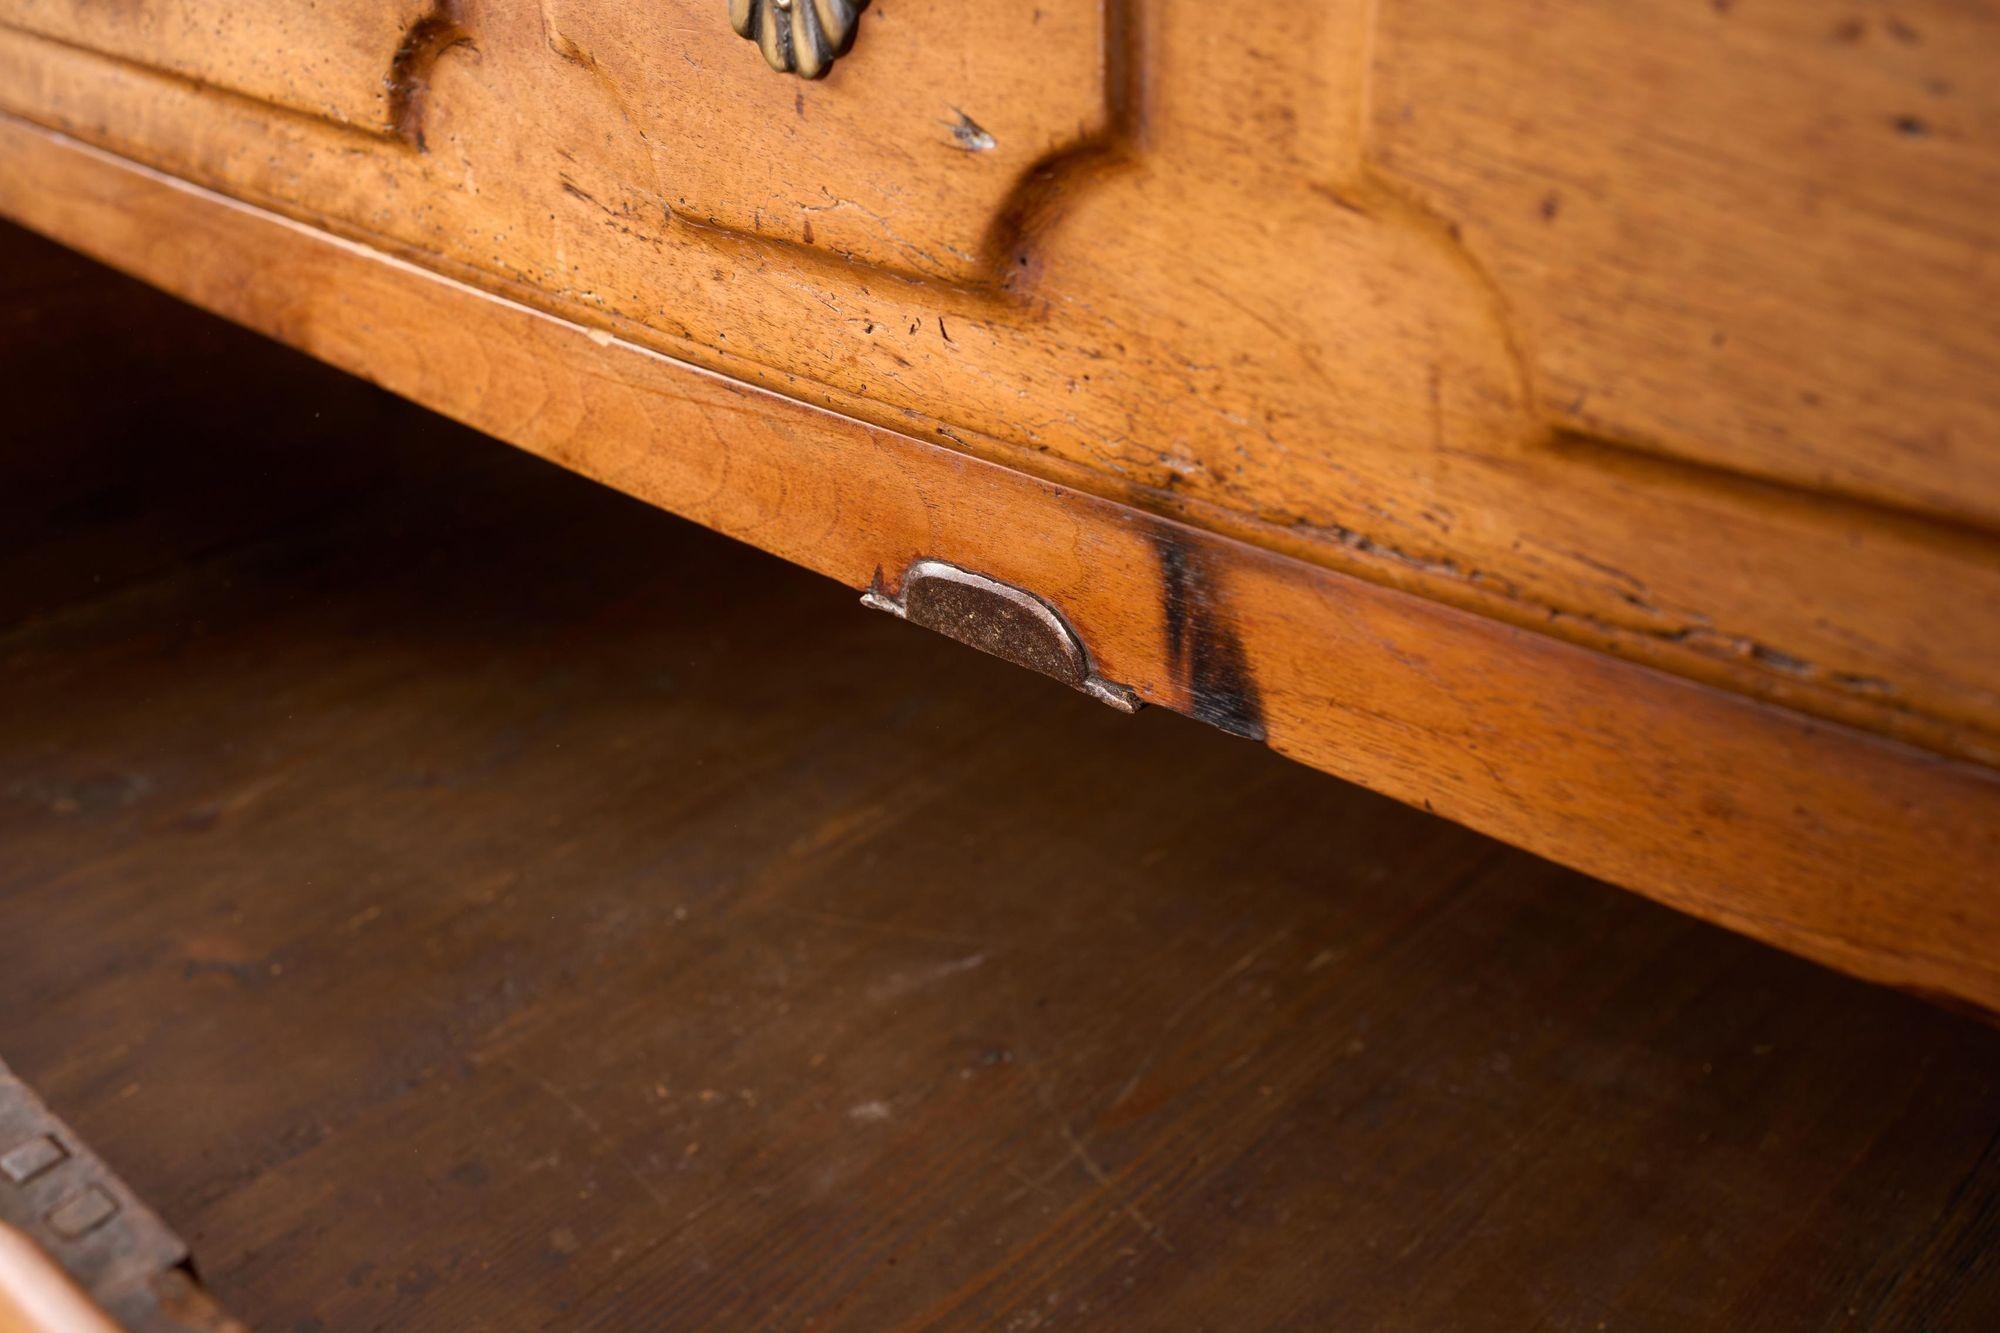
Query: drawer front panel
(1758, 237)
(335, 59)
(1493, 308)
(905, 156)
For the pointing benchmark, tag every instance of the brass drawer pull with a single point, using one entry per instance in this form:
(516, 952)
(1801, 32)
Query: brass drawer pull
(798, 36)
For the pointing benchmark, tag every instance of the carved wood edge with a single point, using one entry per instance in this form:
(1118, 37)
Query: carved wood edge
(1851, 849)
(387, 132)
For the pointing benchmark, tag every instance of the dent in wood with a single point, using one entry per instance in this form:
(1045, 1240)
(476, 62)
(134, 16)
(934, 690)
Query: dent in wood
(410, 69)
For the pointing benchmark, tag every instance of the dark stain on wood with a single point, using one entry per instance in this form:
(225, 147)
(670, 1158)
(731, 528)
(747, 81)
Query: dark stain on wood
(1203, 649)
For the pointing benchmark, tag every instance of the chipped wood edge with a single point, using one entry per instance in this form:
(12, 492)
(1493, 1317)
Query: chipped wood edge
(1857, 851)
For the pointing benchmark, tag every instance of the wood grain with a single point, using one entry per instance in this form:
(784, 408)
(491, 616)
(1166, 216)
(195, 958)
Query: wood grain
(325, 61)
(912, 175)
(1656, 327)
(1860, 853)
(488, 902)
(1780, 268)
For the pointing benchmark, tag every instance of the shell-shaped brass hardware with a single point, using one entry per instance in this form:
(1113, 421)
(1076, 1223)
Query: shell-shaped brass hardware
(798, 36)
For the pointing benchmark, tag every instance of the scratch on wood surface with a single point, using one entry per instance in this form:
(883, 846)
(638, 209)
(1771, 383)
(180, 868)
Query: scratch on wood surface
(598, 1134)
(866, 923)
(1103, 1178)
(1186, 1009)
(1078, 1153)
(899, 984)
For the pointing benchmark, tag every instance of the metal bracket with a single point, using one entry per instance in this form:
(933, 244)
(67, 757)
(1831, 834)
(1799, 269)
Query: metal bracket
(1000, 619)
(59, 1194)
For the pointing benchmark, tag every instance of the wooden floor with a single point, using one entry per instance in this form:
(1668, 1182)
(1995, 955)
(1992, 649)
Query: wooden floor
(460, 898)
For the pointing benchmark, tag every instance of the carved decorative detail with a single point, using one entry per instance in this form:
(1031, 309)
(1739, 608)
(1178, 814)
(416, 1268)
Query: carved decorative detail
(798, 36)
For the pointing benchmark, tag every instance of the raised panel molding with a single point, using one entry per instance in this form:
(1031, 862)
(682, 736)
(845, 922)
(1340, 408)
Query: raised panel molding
(1755, 238)
(1291, 323)
(918, 153)
(337, 60)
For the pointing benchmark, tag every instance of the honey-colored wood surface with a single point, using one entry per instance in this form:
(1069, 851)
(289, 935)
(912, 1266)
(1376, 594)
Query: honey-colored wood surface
(323, 60)
(1758, 237)
(1663, 328)
(1864, 854)
(459, 897)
